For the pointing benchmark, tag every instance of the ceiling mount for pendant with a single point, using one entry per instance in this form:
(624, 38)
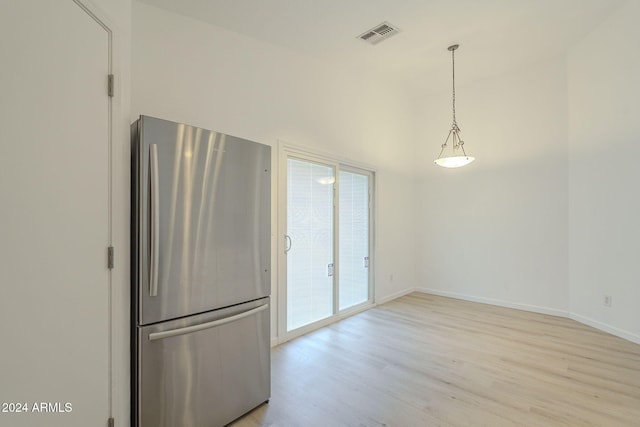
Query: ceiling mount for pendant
(457, 157)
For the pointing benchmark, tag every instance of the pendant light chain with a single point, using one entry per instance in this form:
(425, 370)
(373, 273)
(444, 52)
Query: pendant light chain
(459, 143)
(453, 73)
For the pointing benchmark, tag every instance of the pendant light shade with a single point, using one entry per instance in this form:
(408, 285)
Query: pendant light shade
(456, 156)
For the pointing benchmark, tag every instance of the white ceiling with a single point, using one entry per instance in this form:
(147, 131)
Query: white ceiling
(495, 36)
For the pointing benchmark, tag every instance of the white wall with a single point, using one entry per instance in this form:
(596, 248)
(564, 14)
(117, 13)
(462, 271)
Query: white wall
(604, 146)
(188, 71)
(496, 230)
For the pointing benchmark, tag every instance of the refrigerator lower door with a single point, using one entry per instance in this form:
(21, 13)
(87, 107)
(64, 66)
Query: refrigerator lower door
(205, 370)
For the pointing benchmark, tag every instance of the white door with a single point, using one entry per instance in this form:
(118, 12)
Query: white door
(54, 215)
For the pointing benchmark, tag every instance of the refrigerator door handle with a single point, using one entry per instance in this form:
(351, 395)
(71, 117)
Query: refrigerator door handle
(154, 220)
(190, 329)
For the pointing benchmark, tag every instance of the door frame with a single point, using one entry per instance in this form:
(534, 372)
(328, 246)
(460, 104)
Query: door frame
(285, 151)
(118, 222)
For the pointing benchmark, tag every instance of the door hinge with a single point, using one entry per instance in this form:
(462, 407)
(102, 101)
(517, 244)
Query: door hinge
(110, 257)
(110, 85)
(112, 422)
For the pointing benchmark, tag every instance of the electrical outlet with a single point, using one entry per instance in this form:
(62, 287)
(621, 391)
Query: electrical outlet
(606, 301)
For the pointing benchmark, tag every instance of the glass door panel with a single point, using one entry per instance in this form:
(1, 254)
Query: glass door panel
(353, 240)
(310, 230)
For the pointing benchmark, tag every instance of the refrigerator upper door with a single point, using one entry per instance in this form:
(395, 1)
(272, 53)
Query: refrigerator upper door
(203, 219)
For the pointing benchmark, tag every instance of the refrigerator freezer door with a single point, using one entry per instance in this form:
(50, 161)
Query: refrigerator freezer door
(202, 216)
(205, 370)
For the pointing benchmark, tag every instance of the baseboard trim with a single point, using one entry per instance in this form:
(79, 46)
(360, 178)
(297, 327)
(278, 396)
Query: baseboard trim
(606, 328)
(391, 297)
(537, 309)
(497, 302)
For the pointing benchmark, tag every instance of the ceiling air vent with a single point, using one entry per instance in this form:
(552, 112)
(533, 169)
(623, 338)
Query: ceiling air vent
(379, 33)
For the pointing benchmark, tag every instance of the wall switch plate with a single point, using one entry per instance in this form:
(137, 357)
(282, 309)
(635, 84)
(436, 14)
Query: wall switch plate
(606, 301)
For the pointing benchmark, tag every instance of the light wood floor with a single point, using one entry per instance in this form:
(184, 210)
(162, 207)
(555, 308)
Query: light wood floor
(423, 360)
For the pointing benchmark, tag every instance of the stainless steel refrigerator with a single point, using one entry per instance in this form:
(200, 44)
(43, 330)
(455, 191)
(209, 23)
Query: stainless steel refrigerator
(200, 275)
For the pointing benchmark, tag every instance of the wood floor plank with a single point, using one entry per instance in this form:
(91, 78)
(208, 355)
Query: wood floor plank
(424, 360)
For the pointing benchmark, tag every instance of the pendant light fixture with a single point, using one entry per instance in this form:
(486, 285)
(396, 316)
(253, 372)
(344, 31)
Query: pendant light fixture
(456, 157)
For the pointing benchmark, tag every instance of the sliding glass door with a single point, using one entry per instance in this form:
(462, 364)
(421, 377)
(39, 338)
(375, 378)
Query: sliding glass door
(327, 241)
(354, 238)
(310, 230)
